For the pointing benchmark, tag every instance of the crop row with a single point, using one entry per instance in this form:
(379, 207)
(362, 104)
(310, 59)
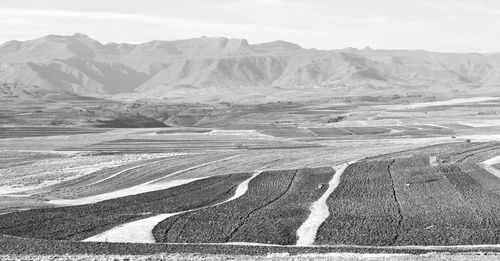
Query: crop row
(291, 132)
(329, 132)
(137, 173)
(363, 208)
(405, 201)
(22, 246)
(176, 145)
(275, 205)
(435, 210)
(80, 222)
(19, 132)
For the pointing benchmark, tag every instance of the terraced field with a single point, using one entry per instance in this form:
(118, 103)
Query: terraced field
(409, 174)
(20, 132)
(365, 209)
(80, 222)
(330, 132)
(289, 132)
(442, 194)
(364, 132)
(405, 201)
(107, 181)
(11, 159)
(270, 212)
(171, 131)
(174, 145)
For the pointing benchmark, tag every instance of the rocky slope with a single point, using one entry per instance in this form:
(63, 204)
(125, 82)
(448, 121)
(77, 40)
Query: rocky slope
(217, 68)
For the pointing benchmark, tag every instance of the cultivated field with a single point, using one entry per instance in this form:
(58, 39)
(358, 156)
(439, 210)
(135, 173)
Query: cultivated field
(81, 222)
(270, 212)
(405, 201)
(343, 176)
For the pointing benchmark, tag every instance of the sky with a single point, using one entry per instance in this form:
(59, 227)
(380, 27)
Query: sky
(433, 25)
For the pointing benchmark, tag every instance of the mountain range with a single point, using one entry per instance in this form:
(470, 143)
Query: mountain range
(218, 68)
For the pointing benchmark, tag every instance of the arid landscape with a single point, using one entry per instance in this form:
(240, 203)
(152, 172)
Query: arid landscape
(286, 137)
(414, 176)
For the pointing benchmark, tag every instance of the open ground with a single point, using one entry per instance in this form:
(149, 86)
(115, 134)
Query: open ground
(381, 177)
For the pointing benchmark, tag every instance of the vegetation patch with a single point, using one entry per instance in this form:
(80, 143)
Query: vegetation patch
(130, 121)
(330, 132)
(288, 132)
(173, 131)
(405, 201)
(366, 130)
(21, 132)
(80, 222)
(274, 207)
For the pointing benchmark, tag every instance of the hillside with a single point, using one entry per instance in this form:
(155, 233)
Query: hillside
(218, 68)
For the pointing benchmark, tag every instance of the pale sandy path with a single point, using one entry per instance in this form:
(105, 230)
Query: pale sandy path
(488, 165)
(141, 231)
(348, 131)
(242, 188)
(308, 130)
(138, 189)
(433, 161)
(306, 233)
(437, 125)
(480, 123)
(394, 131)
(439, 103)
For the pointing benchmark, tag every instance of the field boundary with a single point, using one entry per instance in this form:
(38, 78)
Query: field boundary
(17, 245)
(488, 166)
(148, 186)
(149, 223)
(319, 210)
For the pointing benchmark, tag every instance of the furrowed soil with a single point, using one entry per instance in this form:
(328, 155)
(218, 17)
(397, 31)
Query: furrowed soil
(436, 195)
(20, 132)
(363, 210)
(270, 256)
(406, 201)
(80, 222)
(103, 182)
(13, 246)
(275, 205)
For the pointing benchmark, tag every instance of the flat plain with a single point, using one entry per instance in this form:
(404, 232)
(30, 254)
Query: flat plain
(420, 179)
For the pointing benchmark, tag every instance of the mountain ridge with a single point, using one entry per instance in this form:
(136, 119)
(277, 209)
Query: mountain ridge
(219, 67)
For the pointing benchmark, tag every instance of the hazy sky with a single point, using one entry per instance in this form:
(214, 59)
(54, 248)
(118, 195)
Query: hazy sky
(439, 25)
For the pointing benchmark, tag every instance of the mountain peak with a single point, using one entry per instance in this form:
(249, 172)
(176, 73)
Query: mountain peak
(61, 39)
(11, 45)
(280, 45)
(80, 35)
(83, 65)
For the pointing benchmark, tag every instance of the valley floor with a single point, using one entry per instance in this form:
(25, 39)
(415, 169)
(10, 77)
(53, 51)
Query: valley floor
(389, 182)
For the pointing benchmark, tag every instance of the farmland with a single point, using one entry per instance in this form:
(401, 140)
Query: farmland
(80, 222)
(265, 214)
(405, 201)
(19, 132)
(149, 171)
(414, 180)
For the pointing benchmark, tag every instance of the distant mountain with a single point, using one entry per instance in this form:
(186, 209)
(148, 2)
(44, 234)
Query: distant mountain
(218, 67)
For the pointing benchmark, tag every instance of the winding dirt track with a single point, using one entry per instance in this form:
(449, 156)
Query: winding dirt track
(306, 234)
(141, 231)
(488, 165)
